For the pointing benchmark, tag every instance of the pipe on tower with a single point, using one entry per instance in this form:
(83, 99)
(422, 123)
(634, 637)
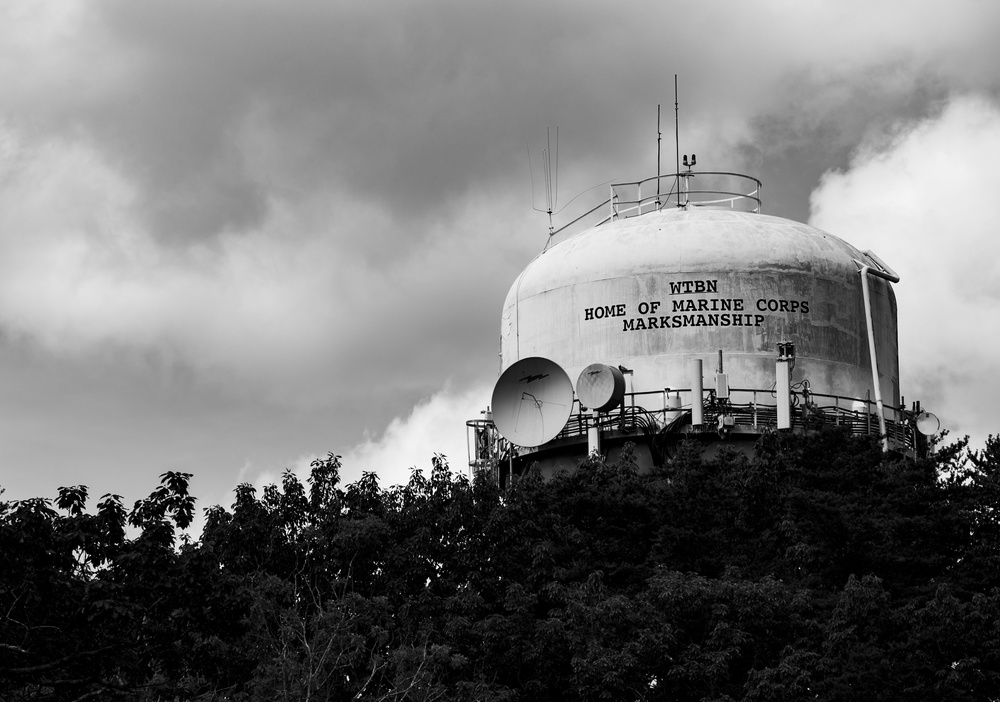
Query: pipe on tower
(697, 394)
(889, 275)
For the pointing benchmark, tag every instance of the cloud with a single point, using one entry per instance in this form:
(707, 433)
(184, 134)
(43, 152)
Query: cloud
(309, 216)
(434, 426)
(217, 113)
(214, 111)
(79, 272)
(285, 307)
(921, 196)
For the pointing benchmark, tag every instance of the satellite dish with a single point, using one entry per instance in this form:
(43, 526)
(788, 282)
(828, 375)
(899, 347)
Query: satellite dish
(928, 424)
(600, 387)
(532, 401)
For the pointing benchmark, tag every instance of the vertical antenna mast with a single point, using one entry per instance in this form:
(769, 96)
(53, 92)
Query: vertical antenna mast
(677, 143)
(550, 176)
(659, 134)
(551, 180)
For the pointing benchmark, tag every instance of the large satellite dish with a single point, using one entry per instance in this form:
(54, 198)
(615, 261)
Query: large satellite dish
(532, 401)
(600, 387)
(928, 424)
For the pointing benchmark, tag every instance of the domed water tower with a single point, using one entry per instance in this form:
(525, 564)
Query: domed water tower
(725, 323)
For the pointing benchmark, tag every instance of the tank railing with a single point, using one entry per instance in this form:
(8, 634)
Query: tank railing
(641, 197)
(649, 412)
(586, 214)
(655, 193)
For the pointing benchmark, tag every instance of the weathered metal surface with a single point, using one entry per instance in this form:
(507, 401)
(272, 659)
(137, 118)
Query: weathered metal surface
(655, 291)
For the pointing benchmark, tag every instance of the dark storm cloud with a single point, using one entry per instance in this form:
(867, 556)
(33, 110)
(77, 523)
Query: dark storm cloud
(227, 107)
(321, 205)
(231, 105)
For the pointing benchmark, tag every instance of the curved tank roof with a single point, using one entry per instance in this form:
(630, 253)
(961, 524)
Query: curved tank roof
(655, 290)
(687, 241)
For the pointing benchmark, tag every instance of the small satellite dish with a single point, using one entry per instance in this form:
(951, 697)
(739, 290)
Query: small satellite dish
(600, 387)
(532, 401)
(928, 424)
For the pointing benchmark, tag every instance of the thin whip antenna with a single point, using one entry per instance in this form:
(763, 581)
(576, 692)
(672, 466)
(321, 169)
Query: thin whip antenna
(547, 171)
(555, 198)
(551, 177)
(677, 143)
(659, 135)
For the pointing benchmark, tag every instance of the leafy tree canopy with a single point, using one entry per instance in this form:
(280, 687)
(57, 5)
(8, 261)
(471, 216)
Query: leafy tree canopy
(818, 569)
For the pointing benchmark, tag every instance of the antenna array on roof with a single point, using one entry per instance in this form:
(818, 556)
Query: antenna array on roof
(550, 174)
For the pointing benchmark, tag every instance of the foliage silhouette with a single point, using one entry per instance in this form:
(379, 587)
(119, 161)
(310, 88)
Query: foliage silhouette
(817, 568)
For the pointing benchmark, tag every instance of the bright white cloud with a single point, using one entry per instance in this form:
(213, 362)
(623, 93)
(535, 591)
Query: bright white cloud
(923, 197)
(435, 426)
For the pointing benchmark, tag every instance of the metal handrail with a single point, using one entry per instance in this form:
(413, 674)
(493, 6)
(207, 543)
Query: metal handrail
(621, 208)
(648, 411)
(641, 204)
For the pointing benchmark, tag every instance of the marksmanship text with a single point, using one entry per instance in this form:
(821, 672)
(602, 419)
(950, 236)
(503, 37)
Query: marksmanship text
(682, 310)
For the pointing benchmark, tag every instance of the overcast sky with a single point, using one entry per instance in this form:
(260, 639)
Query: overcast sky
(236, 235)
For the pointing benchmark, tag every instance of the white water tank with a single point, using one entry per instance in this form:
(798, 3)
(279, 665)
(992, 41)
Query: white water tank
(652, 292)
